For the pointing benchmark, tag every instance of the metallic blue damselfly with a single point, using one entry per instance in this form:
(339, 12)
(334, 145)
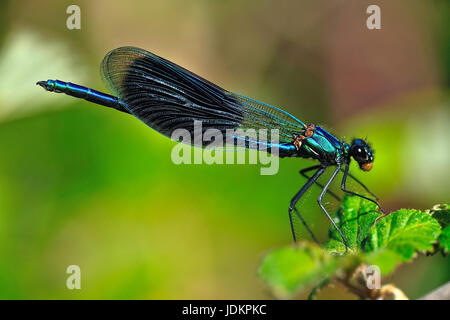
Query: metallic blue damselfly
(167, 97)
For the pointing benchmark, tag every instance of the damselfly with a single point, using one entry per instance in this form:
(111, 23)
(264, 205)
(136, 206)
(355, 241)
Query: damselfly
(167, 97)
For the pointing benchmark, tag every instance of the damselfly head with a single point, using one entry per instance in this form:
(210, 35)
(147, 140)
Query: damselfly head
(361, 151)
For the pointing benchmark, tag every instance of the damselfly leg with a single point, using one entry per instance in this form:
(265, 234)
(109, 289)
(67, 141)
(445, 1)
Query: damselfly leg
(303, 173)
(344, 180)
(297, 197)
(361, 184)
(319, 200)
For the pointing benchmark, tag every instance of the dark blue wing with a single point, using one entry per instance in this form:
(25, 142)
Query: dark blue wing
(167, 97)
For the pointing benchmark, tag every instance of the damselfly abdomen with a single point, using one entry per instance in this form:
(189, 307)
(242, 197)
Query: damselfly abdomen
(167, 97)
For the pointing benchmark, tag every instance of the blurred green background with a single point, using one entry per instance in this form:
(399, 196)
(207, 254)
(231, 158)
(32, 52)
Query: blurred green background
(85, 185)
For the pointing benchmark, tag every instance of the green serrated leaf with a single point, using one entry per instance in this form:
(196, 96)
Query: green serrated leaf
(444, 240)
(404, 231)
(289, 270)
(354, 217)
(386, 243)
